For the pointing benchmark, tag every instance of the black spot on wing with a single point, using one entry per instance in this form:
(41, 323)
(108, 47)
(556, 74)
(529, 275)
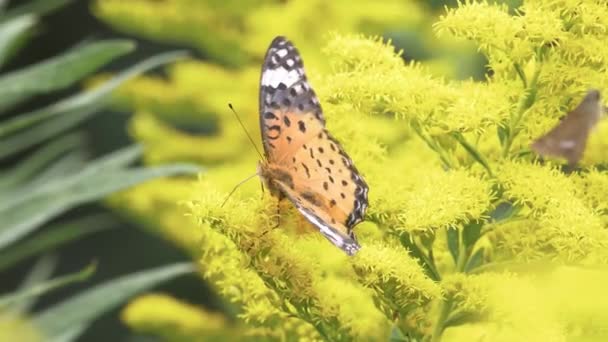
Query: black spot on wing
(360, 200)
(273, 132)
(312, 198)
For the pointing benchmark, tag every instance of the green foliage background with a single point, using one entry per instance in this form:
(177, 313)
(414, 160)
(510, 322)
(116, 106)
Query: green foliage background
(468, 237)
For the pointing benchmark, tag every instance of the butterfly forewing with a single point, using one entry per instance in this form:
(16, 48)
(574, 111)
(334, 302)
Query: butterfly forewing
(569, 138)
(304, 162)
(284, 94)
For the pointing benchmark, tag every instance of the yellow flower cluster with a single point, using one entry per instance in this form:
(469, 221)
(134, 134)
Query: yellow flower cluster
(163, 315)
(454, 188)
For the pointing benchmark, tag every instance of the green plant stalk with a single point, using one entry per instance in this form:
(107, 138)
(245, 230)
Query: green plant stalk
(525, 103)
(445, 308)
(521, 73)
(37, 290)
(434, 146)
(51, 238)
(473, 152)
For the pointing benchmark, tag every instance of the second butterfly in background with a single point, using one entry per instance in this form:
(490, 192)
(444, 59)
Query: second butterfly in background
(568, 139)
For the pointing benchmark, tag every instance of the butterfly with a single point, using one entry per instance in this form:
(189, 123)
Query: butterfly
(569, 138)
(303, 162)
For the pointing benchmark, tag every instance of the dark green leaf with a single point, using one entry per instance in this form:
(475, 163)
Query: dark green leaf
(504, 211)
(424, 260)
(472, 151)
(453, 241)
(54, 74)
(37, 7)
(66, 165)
(42, 270)
(47, 286)
(35, 162)
(26, 211)
(461, 317)
(54, 237)
(397, 335)
(70, 334)
(475, 260)
(85, 307)
(503, 134)
(73, 110)
(11, 33)
(471, 232)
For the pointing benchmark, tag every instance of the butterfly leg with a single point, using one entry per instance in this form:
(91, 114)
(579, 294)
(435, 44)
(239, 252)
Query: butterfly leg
(278, 214)
(262, 185)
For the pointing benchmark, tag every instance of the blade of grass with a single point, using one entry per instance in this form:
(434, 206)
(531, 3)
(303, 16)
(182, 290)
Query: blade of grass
(38, 7)
(66, 165)
(70, 334)
(54, 237)
(57, 73)
(40, 272)
(11, 32)
(73, 110)
(35, 162)
(26, 211)
(85, 307)
(40, 289)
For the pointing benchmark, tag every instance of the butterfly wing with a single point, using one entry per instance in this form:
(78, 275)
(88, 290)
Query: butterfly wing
(319, 211)
(566, 140)
(569, 138)
(285, 96)
(305, 162)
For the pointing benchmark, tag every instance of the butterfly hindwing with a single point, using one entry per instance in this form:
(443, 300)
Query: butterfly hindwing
(316, 209)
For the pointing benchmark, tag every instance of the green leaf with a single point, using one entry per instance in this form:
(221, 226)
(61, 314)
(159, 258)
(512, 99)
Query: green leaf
(504, 211)
(472, 151)
(424, 260)
(11, 32)
(37, 7)
(73, 110)
(471, 233)
(67, 164)
(85, 307)
(453, 241)
(116, 160)
(35, 162)
(42, 270)
(474, 261)
(397, 335)
(70, 334)
(47, 286)
(26, 211)
(55, 74)
(53, 237)
(462, 317)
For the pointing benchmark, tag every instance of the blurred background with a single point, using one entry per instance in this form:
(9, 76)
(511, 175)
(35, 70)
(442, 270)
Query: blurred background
(226, 40)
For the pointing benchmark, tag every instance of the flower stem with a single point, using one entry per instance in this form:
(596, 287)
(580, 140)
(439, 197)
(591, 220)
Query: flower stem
(526, 101)
(445, 308)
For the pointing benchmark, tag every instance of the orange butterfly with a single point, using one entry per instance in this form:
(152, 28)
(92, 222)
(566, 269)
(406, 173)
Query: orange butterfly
(303, 161)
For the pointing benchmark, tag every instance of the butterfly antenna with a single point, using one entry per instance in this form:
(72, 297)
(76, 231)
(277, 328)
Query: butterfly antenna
(236, 187)
(246, 132)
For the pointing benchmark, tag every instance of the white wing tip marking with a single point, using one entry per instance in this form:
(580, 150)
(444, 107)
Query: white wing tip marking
(274, 77)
